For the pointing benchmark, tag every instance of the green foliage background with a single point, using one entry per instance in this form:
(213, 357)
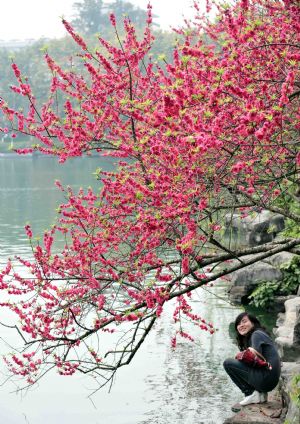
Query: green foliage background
(264, 294)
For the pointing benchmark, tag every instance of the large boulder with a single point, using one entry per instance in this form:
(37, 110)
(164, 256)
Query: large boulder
(297, 326)
(255, 229)
(288, 386)
(288, 329)
(246, 279)
(280, 258)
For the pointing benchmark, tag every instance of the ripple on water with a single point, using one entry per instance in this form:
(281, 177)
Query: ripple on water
(190, 385)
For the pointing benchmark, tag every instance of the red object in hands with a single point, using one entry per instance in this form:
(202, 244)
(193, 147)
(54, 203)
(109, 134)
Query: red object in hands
(253, 359)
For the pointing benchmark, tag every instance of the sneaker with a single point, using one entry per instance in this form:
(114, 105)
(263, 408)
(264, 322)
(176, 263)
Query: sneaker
(254, 398)
(263, 397)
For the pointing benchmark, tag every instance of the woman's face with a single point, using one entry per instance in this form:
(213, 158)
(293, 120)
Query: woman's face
(244, 326)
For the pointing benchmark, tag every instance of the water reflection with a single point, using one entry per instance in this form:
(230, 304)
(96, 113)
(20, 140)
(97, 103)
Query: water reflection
(192, 386)
(186, 386)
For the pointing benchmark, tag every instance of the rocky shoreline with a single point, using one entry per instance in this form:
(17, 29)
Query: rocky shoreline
(284, 401)
(287, 339)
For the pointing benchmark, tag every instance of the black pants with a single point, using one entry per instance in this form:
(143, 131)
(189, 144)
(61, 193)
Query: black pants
(249, 379)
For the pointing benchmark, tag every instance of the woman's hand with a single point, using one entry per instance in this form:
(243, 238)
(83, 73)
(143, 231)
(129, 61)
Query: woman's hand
(239, 355)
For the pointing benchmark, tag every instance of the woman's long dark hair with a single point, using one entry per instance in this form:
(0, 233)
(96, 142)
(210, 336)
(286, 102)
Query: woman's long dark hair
(243, 341)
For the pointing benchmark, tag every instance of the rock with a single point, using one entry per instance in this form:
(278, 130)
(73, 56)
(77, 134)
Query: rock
(288, 330)
(245, 280)
(280, 321)
(285, 332)
(280, 259)
(287, 386)
(266, 413)
(257, 228)
(255, 273)
(278, 304)
(297, 326)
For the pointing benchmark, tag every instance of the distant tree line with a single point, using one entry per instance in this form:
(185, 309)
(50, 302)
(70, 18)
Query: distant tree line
(92, 16)
(91, 19)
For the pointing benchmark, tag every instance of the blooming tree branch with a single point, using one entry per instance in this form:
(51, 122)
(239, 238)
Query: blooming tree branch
(215, 132)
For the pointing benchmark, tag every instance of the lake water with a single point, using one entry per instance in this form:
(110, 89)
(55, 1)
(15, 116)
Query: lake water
(161, 386)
